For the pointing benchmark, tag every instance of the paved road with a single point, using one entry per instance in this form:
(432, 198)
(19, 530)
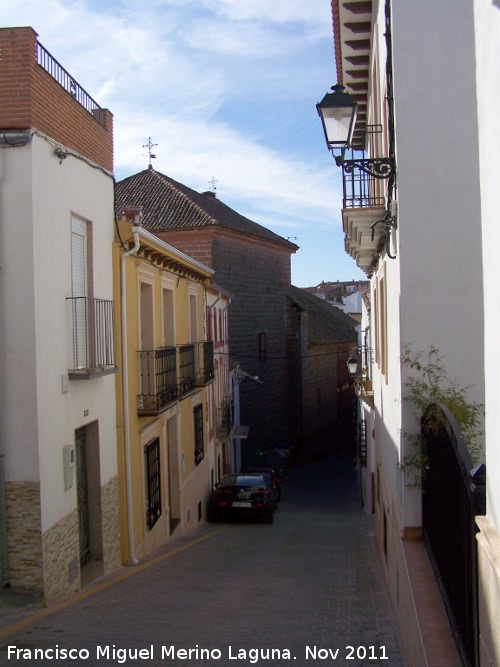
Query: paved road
(297, 593)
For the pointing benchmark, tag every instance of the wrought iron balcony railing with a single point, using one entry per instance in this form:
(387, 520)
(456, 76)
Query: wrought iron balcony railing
(64, 79)
(224, 418)
(187, 369)
(361, 189)
(93, 336)
(169, 373)
(158, 380)
(205, 362)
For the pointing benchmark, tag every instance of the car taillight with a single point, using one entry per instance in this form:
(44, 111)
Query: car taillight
(221, 496)
(260, 498)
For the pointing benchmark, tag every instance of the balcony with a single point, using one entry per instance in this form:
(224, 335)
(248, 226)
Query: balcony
(205, 362)
(93, 337)
(224, 419)
(187, 369)
(167, 374)
(158, 380)
(364, 208)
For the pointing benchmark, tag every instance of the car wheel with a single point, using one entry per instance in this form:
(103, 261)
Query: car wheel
(212, 516)
(269, 518)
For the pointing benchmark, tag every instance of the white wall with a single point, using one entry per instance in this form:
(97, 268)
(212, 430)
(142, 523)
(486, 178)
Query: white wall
(438, 178)
(18, 397)
(42, 416)
(487, 17)
(434, 287)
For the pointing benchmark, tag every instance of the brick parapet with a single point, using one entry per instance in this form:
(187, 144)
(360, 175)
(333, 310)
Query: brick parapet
(33, 99)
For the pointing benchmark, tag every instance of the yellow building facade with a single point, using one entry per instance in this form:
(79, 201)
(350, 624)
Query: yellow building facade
(165, 393)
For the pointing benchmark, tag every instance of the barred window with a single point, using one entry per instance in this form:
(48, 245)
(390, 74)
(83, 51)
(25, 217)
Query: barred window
(198, 434)
(152, 452)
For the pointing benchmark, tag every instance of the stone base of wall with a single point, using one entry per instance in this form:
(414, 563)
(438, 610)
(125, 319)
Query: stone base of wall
(489, 592)
(50, 564)
(110, 503)
(24, 535)
(61, 549)
(61, 558)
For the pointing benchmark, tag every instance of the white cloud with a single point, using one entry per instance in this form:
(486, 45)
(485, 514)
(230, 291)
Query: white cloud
(222, 86)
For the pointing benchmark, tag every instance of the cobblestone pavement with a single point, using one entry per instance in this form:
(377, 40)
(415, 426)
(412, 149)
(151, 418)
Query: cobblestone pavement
(302, 592)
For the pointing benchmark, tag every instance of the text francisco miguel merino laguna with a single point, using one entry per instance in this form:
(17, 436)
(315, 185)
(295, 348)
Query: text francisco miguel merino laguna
(251, 655)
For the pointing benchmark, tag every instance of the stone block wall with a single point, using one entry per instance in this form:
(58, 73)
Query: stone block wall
(61, 549)
(258, 275)
(49, 564)
(111, 525)
(61, 558)
(24, 535)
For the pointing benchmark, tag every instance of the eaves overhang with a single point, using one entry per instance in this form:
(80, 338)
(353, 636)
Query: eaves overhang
(163, 255)
(352, 32)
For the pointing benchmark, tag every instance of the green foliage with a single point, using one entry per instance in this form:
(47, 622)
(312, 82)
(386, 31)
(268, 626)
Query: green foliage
(429, 385)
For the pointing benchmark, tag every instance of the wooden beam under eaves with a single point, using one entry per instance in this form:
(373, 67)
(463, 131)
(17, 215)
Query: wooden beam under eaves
(359, 44)
(359, 27)
(358, 7)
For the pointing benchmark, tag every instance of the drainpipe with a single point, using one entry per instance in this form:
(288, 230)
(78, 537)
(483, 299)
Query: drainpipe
(126, 428)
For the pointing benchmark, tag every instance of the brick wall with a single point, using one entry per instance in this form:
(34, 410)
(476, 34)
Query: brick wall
(197, 245)
(32, 99)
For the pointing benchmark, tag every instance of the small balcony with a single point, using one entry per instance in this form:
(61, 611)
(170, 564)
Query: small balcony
(93, 337)
(205, 362)
(167, 374)
(158, 380)
(187, 369)
(224, 419)
(364, 208)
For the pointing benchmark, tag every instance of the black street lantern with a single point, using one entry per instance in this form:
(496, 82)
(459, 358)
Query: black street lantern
(338, 112)
(352, 366)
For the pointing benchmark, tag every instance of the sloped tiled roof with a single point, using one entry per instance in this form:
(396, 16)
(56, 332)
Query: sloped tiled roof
(326, 323)
(167, 205)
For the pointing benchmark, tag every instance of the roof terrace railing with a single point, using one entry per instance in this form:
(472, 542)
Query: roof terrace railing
(63, 78)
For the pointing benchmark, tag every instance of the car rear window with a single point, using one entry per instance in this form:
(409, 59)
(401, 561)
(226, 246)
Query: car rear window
(243, 480)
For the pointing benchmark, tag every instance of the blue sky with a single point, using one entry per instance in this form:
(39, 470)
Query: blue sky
(227, 90)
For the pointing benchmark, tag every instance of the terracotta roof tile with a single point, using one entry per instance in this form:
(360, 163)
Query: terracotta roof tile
(167, 204)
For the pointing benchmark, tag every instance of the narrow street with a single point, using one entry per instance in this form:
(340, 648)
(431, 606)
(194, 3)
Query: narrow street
(306, 590)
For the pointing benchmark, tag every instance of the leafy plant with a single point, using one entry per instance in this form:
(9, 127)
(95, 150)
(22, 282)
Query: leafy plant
(429, 385)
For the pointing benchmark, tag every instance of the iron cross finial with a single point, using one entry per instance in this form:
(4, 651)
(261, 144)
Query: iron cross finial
(149, 146)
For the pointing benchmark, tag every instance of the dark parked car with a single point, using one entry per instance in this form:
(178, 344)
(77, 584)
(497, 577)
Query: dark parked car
(270, 471)
(280, 459)
(243, 494)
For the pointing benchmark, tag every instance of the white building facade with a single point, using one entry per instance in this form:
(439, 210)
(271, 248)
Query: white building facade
(424, 75)
(57, 427)
(487, 30)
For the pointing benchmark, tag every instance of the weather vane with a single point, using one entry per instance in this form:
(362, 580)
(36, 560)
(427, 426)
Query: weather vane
(212, 182)
(149, 146)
